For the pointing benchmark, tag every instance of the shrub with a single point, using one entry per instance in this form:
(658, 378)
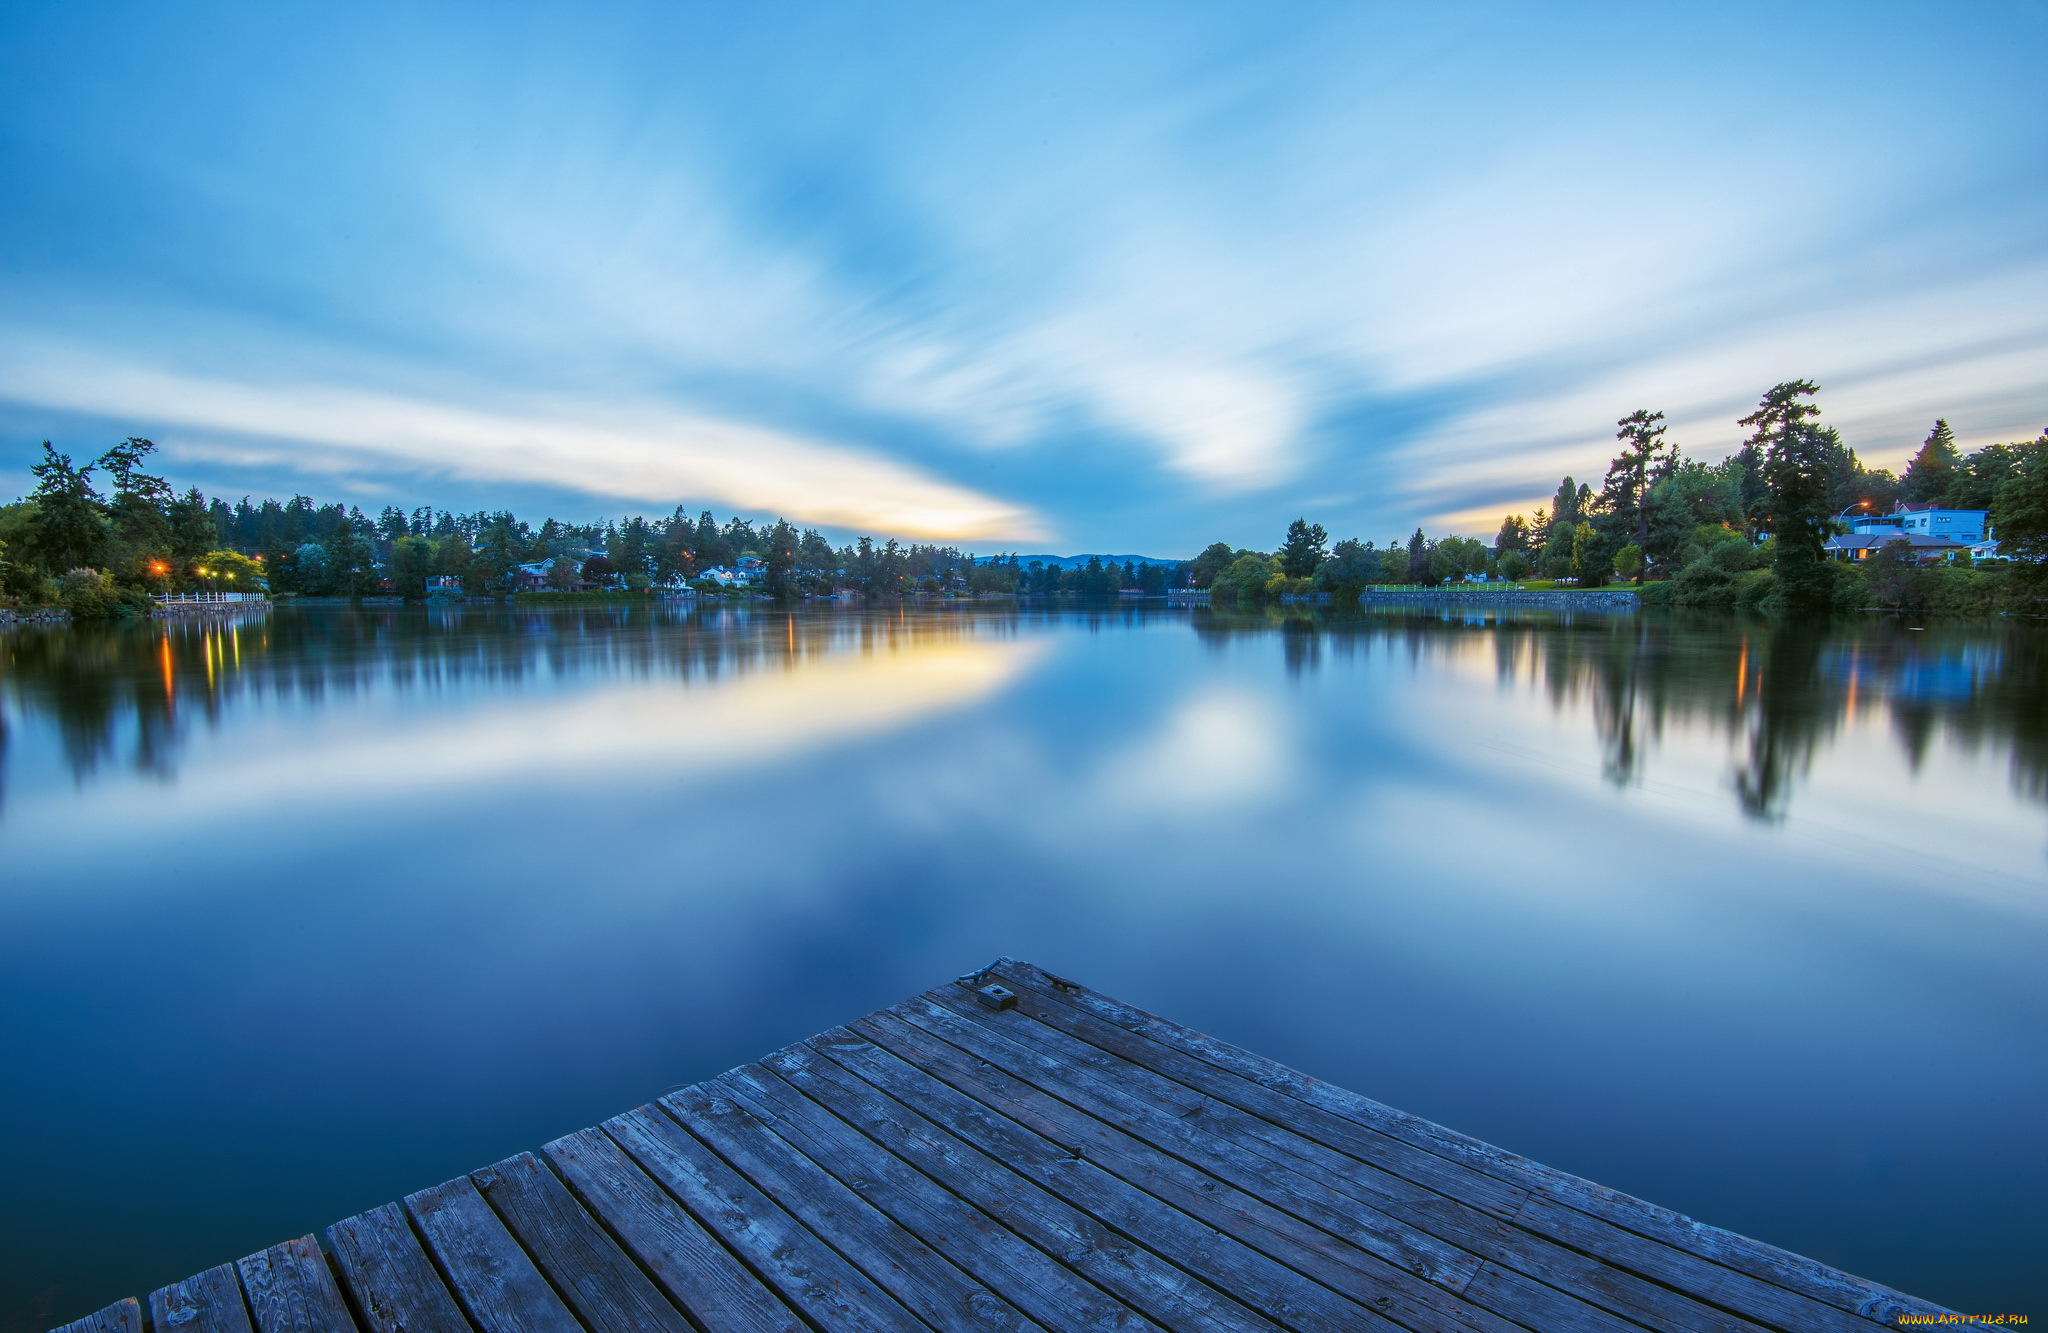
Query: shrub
(90, 594)
(1245, 579)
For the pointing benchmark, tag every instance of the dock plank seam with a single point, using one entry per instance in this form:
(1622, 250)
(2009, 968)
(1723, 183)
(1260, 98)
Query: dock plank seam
(1427, 1279)
(1473, 1228)
(1770, 1303)
(603, 1286)
(1169, 1183)
(1119, 1261)
(1777, 1314)
(1178, 1238)
(714, 1287)
(815, 1279)
(1017, 1269)
(920, 1277)
(1759, 1260)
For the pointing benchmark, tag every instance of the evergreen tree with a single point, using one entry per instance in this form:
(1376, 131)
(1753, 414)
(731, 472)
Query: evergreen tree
(1778, 411)
(189, 529)
(1514, 535)
(351, 559)
(412, 560)
(2019, 515)
(780, 556)
(136, 511)
(1214, 559)
(1564, 506)
(1304, 548)
(1928, 476)
(710, 545)
(1979, 476)
(69, 527)
(1418, 558)
(1642, 462)
(1798, 459)
(498, 552)
(454, 556)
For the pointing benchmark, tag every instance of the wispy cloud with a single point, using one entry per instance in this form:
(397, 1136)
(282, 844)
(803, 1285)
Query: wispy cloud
(878, 273)
(649, 454)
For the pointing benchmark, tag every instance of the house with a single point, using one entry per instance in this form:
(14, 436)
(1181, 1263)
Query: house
(531, 577)
(534, 575)
(444, 585)
(746, 572)
(1961, 525)
(1861, 546)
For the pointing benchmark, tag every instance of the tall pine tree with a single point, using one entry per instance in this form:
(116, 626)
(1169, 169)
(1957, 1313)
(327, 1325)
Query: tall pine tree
(1798, 467)
(1642, 462)
(1303, 550)
(1933, 469)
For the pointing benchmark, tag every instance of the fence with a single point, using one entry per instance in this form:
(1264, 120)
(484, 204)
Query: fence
(186, 598)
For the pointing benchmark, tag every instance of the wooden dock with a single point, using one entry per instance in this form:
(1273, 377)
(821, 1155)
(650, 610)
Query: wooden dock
(1014, 1151)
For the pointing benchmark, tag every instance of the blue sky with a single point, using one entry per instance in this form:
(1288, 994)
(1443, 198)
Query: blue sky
(1062, 277)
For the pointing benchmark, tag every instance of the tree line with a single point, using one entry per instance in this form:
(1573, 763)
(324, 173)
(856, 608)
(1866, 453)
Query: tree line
(1759, 519)
(1306, 562)
(99, 538)
(1770, 506)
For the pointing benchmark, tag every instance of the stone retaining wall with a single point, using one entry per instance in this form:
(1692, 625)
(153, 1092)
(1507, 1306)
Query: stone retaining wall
(43, 616)
(170, 610)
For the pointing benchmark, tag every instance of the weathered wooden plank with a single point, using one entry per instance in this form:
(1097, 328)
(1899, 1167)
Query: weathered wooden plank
(808, 1273)
(1195, 1243)
(1340, 1154)
(209, 1302)
(290, 1290)
(1321, 1186)
(698, 1273)
(1148, 1283)
(967, 1054)
(1099, 1085)
(1170, 1295)
(123, 1316)
(393, 1281)
(981, 1247)
(493, 1277)
(1796, 1273)
(919, 1277)
(606, 1289)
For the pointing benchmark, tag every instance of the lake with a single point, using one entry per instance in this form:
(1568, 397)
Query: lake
(301, 913)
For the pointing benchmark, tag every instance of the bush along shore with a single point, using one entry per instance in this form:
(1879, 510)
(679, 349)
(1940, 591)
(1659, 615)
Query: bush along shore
(1741, 577)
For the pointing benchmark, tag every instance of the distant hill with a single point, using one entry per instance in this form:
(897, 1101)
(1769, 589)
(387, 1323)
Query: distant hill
(1072, 561)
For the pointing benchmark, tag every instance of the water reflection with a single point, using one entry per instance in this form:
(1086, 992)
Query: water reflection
(359, 900)
(1777, 691)
(133, 696)
(580, 687)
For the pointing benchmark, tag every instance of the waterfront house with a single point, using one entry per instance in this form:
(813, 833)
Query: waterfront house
(1861, 546)
(1924, 520)
(746, 572)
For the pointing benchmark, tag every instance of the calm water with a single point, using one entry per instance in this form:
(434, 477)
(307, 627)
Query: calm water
(299, 916)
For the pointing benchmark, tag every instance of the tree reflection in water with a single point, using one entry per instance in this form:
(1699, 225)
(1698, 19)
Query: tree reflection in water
(1779, 691)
